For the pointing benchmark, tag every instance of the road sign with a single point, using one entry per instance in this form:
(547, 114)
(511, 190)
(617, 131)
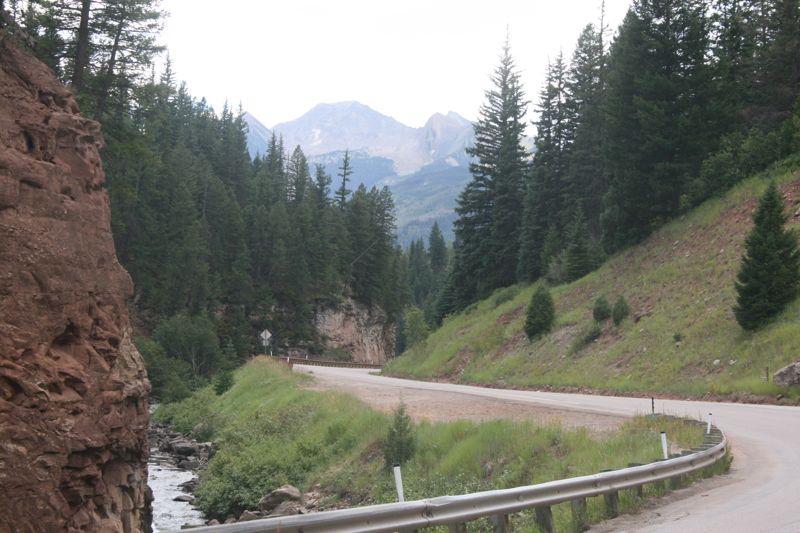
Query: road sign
(265, 336)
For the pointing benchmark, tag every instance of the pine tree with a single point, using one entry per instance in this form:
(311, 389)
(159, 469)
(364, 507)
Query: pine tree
(658, 108)
(541, 313)
(578, 254)
(545, 191)
(437, 251)
(344, 173)
(490, 207)
(770, 273)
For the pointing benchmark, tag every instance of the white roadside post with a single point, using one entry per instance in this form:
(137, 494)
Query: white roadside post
(708, 425)
(664, 444)
(398, 483)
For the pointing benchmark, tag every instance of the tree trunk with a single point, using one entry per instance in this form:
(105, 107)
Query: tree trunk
(82, 51)
(109, 71)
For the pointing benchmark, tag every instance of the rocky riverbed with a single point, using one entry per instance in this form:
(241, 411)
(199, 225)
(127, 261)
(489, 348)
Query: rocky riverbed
(174, 464)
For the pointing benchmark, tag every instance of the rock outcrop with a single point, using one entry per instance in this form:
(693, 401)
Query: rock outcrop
(788, 376)
(73, 388)
(363, 332)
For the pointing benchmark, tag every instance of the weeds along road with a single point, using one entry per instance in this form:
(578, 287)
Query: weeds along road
(761, 493)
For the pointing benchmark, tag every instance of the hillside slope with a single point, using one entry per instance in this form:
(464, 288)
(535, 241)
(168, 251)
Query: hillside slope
(681, 336)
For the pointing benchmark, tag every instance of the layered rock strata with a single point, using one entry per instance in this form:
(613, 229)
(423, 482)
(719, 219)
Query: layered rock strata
(73, 389)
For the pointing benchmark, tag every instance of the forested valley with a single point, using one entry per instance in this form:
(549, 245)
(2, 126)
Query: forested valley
(637, 127)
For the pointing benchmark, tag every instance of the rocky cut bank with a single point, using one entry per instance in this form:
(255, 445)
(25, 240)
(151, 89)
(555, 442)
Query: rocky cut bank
(73, 389)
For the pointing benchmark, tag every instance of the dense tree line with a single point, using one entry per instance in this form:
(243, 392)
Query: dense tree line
(219, 246)
(690, 97)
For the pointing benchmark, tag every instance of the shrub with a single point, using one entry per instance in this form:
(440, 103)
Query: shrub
(223, 381)
(541, 313)
(400, 444)
(505, 295)
(415, 329)
(586, 336)
(620, 310)
(602, 310)
(557, 270)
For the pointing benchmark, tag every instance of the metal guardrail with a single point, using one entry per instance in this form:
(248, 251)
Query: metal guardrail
(495, 503)
(323, 362)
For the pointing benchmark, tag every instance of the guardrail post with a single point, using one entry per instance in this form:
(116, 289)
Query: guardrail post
(500, 523)
(612, 504)
(580, 516)
(708, 425)
(398, 482)
(638, 490)
(664, 447)
(457, 528)
(544, 518)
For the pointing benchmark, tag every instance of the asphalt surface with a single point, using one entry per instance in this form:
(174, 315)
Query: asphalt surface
(761, 493)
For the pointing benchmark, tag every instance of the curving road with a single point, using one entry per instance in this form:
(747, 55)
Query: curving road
(761, 494)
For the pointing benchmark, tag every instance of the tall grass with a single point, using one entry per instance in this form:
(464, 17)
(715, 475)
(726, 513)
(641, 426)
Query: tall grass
(679, 281)
(269, 431)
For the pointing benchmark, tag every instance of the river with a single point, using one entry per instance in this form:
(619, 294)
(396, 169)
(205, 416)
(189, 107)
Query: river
(164, 479)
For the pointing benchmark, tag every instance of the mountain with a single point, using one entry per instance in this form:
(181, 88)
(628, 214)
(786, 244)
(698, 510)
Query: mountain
(258, 135)
(354, 126)
(426, 167)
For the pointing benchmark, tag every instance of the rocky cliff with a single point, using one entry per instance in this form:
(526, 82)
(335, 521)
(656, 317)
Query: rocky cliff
(363, 332)
(73, 389)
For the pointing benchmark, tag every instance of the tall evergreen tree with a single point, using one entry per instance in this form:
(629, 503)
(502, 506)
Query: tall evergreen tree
(490, 207)
(545, 191)
(344, 173)
(657, 109)
(769, 277)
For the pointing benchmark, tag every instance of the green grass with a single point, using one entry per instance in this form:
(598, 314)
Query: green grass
(679, 281)
(269, 431)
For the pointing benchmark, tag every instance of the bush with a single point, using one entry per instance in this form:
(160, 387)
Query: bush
(586, 336)
(415, 329)
(541, 313)
(223, 381)
(602, 310)
(557, 270)
(171, 379)
(620, 310)
(505, 295)
(400, 444)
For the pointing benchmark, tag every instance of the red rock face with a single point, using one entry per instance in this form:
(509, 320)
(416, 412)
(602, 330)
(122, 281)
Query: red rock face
(73, 389)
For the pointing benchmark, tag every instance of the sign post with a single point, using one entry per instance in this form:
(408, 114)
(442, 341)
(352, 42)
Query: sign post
(265, 336)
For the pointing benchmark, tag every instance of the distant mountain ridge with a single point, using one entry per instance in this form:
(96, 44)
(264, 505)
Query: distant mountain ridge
(425, 167)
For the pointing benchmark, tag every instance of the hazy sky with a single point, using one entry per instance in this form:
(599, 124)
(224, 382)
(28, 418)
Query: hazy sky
(404, 58)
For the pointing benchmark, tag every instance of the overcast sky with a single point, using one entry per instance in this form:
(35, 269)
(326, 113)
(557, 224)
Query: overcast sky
(405, 58)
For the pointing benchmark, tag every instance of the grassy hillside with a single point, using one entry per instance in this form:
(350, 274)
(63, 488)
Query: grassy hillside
(269, 431)
(681, 336)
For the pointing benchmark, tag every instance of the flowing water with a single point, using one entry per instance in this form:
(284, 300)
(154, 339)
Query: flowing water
(164, 479)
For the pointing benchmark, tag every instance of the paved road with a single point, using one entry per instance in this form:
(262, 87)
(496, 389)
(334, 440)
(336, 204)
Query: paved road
(761, 494)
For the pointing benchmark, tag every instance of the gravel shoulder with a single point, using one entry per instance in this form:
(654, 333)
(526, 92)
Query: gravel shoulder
(440, 406)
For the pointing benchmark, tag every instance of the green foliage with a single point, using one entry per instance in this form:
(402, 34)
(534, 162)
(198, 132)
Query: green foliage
(192, 340)
(770, 272)
(490, 206)
(601, 310)
(223, 381)
(171, 379)
(506, 294)
(586, 336)
(415, 328)
(269, 432)
(541, 314)
(399, 445)
(620, 310)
